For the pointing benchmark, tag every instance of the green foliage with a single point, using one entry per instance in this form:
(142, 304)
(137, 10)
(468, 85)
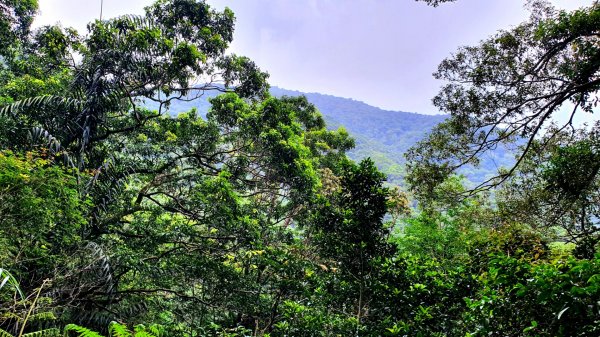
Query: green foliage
(507, 90)
(514, 240)
(16, 17)
(555, 190)
(245, 217)
(115, 329)
(81, 331)
(549, 299)
(303, 320)
(125, 61)
(571, 169)
(41, 333)
(383, 136)
(41, 213)
(7, 279)
(348, 225)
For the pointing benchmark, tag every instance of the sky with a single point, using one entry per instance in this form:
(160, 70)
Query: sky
(382, 52)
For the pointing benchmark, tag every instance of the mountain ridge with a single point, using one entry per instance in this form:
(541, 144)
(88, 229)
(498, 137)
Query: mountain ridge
(382, 135)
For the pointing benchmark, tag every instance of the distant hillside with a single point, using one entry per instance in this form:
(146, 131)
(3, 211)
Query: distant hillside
(382, 135)
(386, 135)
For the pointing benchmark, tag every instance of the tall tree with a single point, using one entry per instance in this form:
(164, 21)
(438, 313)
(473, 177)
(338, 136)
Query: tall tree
(510, 88)
(346, 227)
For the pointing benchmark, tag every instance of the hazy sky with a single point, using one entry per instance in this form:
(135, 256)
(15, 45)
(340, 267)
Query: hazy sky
(382, 52)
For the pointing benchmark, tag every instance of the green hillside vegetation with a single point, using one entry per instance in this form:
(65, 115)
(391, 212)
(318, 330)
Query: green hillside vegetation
(385, 136)
(381, 135)
(128, 210)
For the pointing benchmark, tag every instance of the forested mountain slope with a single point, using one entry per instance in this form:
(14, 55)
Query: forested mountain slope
(381, 135)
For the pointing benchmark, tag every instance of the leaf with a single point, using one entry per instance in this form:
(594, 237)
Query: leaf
(81, 331)
(12, 281)
(53, 332)
(118, 330)
(561, 313)
(5, 334)
(3, 281)
(534, 325)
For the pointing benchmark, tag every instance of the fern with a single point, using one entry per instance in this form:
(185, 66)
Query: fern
(43, 316)
(118, 330)
(5, 334)
(156, 330)
(81, 331)
(142, 334)
(115, 329)
(53, 332)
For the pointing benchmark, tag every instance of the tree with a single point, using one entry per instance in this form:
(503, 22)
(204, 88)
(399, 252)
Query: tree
(508, 89)
(42, 215)
(555, 190)
(16, 17)
(188, 219)
(347, 230)
(215, 199)
(175, 51)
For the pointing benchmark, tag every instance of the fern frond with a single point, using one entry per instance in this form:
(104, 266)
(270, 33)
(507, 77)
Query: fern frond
(81, 331)
(53, 332)
(118, 330)
(5, 334)
(156, 330)
(43, 316)
(144, 334)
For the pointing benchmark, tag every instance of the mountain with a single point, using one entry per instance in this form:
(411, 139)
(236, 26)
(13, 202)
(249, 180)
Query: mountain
(382, 135)
(385, 135)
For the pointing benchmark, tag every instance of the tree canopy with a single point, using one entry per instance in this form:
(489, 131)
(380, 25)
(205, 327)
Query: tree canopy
(511, 88)
(120, 217)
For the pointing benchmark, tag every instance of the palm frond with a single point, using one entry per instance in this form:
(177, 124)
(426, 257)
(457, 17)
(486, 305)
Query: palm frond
(41, 102)
(7, 278)
(41, 136)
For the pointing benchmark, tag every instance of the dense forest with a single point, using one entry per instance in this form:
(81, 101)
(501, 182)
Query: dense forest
(383, 136)
(244, 216)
